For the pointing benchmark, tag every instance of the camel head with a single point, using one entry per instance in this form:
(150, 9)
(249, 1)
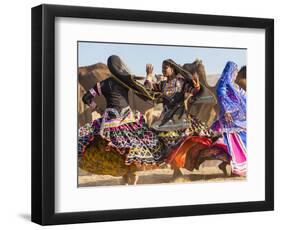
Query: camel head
(197, 66)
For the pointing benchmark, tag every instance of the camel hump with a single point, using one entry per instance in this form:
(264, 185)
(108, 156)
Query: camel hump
(83, 70)
(88, 76)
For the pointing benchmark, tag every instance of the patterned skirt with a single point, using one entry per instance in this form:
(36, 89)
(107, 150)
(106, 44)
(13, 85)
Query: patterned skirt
(125, 143)
(126, 134)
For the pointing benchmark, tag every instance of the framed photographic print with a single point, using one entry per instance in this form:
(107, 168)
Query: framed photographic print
(145, 114)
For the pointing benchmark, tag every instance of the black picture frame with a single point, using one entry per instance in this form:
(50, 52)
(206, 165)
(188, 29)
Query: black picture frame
(43, 114)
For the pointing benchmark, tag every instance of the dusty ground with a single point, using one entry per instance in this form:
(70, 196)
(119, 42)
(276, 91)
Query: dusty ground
(207, 173)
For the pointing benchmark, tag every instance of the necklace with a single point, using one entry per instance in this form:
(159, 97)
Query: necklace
(170, 88)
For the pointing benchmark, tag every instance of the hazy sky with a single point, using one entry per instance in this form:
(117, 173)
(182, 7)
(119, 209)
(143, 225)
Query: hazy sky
(136, 56)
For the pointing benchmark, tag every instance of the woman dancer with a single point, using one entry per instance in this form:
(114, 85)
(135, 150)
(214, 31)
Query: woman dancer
(232, 118)
(119, 128)
(194, 135)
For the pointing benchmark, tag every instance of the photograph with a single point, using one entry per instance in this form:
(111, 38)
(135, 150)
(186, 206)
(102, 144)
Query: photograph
(140, 114)
(151, 114)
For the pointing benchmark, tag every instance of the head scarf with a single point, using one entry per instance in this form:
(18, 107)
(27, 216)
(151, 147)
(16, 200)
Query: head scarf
(178, 69)
(122, 75)
(230, 99)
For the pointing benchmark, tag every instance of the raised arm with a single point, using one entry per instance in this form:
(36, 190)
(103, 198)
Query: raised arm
(91, 94)
(149, 83)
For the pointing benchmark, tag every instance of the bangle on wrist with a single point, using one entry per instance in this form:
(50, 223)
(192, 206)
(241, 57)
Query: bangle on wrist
(197, 86)
(93, 92)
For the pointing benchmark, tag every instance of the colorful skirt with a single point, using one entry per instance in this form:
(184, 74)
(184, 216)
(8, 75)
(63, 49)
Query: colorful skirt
(125, 143)
(127, 134)
(235, 141)
(186, 145)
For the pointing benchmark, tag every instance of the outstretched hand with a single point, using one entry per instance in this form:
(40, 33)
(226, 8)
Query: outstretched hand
(149, 69)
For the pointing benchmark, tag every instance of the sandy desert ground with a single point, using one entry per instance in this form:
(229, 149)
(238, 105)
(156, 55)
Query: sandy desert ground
(208, 172)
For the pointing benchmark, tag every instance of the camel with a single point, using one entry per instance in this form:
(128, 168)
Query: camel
(241, 78)
(88, 76)
(206, 112)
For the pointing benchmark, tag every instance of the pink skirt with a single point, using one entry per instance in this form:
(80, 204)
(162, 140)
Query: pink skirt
(235, 142)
